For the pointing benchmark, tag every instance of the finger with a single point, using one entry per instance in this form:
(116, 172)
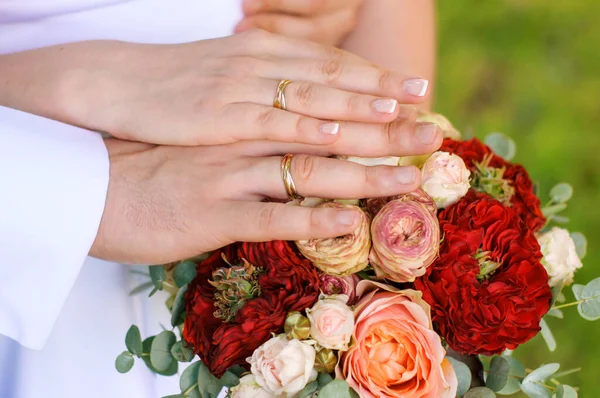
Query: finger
(298, 7)
(350, 77)
(262, 222)
(321, 177)
(246, 121)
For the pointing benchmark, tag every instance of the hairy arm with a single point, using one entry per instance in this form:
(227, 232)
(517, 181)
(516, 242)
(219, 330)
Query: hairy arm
(399, 35)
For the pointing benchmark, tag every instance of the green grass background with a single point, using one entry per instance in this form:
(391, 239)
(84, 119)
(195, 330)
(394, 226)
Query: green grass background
(531, 69)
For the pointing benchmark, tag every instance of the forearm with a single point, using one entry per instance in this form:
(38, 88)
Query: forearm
(397, 35)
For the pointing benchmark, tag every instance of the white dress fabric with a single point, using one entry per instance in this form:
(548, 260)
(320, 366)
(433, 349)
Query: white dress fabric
(63, 319)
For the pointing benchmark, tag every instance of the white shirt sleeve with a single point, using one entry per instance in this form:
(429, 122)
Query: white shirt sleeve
(53, 184)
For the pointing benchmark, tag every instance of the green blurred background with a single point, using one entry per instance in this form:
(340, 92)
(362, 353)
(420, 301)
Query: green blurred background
(531, 69)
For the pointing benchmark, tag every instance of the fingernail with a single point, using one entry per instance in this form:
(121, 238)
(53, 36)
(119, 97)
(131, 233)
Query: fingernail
(330, 128)
(385, 105)
(346, 217)
(416, 87)
(426, 133)
(405, 175)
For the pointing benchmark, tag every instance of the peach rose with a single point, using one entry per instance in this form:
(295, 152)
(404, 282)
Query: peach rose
(395, 352)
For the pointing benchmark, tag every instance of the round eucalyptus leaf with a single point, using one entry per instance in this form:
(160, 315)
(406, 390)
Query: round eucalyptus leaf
(561, 193)
(178, 306)
(590, 308)
(158, 276)
(181, 352)
(208, 384)
(535, 390)
(133, 341)
(237, 370)
(147, 346)
(517, 372)
(547, 335)
(463, 375)
(580, 244)
(577, 290)
(184, 273)
(189, 377)
(479, 392)
(308, 390)
(336, 389)
(160, 351)
(124, 362)
(542, 373)
(556, 313)
(565, 391)
(324, 379)
(502, 145)
(229, 379)
(498, 374)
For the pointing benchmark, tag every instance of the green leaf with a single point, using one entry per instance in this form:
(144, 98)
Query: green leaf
(517, 372)
(565, 391)
(158, 276)
(181, 352)
(184, 272)
(566, 372)
(324, 379)
(589, 308)
(560, 219)
(502, 145)
(561, 193)
(498, 373)
(580, 244)
(153, 291)
(554, 209)
(188, 383)
(124, 362)
(577, 290)
(480, 392)
(147, 345)
(175, 396)
(556, 290)
(141, 288)
(556, 312)
(463, 375)
(542, 373)
(237, 370)
(178, 306)
(308, 390)
(160, 351)
(547, 335)
(229, 379)
(133, 341)
(336, 389)
(535, 390)
(208, 384)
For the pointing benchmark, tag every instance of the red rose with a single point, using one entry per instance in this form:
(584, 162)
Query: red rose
(523, 200)
(488, 290)
(289, 283)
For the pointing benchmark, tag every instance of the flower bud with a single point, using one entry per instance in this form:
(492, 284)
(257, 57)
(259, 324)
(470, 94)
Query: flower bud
(345, 285)
(375, 204)
(325, 361)
(342, 255)
(331, 322)
(406, 239)
(443, 123)
(296, 326)
(445, 178)
(560, 257)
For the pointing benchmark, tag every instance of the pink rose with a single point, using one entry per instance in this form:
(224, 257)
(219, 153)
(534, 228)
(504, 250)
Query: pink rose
(395, 352)
(445, 178)
(406, 239)
(375, 204)
(345, 285)
(331, 322)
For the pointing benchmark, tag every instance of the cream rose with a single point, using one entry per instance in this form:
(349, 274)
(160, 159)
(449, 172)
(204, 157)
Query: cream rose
(283, 367)
(560, 257)
(331, 322)
(445, 178)
(248, 388)
(396, 351)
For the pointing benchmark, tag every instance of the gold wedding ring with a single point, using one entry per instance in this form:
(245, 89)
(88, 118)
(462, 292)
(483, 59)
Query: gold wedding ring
(286, 175)
(279, 101)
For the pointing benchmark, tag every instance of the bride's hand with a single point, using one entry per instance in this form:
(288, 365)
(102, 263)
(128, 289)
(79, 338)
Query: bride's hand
(210, 92)
(167, 203)
(323, 21)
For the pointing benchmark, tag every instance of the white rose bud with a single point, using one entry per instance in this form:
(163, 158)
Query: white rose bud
(282, 366)
(560, 257)
(248, 388)
(445, 178)
(331, 322)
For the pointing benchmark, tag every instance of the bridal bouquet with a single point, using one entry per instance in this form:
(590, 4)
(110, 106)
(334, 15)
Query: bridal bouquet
(427, 298)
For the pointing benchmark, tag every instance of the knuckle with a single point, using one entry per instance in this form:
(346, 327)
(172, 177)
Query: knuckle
(385, 80)
(266, 117)
(304, 93)
(304, 167)
(266, 217)
(390, 134)
(331, 69)
(354, 104)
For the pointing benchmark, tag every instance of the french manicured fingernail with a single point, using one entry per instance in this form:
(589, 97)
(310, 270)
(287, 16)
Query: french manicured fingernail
(416, 87)
(426, 133)
(330, 128)
(346, 217)
(385, 105)
(405, 175)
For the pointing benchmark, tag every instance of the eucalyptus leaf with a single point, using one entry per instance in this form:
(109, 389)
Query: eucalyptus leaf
(554, 209)
(556, 290)
(556, 313)
(580, 244)
(189, 377)
(565, 391)
(141, 288)
(535, 390)
(184, 273)
(502, 145)
(517, 372)
(560, 219)
(498, 373)
(133, 341)
(561, 193)
(158, 276)
(308, 390)
(237, 370)
(175, 396)
(147, 346)
(542, 373)
(229, 379)
(547, 335)
(480, 392)
(181, 352)
(336, 389)
(160, 351)
(124, 362)
(463, 375)
(577, 290)
(208, 384)
(589, 308)
(178, 306)
(323, 379)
